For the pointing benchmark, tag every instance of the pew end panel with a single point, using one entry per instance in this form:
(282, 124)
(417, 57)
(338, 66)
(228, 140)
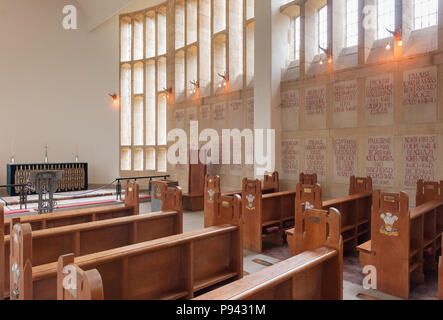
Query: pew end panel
(308, 178)
(360, 185)
(251, 212)
(395, 239)
(440, 273)
(194, 199)
(75, 284)
(172, 200)
(132, 196)
(428, 191)
(212, 192)
(21, 285)
(2, 253)
(271, 182)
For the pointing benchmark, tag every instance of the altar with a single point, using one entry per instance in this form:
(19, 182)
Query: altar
(74, 175)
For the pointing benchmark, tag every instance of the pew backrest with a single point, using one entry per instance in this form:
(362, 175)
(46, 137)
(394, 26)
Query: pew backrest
(428, 191)
(316, 273)
(73, 283)
(63, 218)
(170, 268)
(196, 176)
(360, 185)
(271, 182)
(308, 178)
(307, 193)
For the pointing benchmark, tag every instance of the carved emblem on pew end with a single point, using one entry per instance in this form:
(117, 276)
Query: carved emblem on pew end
(211, 196)
(389, 229)
(158, 192)
(250, 205)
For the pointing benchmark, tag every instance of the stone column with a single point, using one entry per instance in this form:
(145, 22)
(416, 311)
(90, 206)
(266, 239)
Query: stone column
(367, 23)
(270, 56)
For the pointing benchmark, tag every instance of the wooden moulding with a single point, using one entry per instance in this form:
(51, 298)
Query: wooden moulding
(174, 267)
(80, 239)
(57, 219)
(316, 273)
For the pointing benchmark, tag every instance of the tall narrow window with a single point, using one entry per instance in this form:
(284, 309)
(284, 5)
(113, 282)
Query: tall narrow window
(322, 28)
(385, 18)
(351, 23)
(297, 35)
(425, 13)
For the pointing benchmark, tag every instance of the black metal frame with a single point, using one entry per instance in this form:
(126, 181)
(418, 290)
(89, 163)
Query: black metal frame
(118, 187)
(23, 195)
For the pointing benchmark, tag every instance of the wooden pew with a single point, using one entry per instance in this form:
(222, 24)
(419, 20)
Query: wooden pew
(212, 192)
(316, 273)
(63, 218)
(88, 285)
(355, 211)
(440, 274)
(87, 238)
(193, 200)
(2, 253)
(174, 267)
(428, 191)
(403, 242)
(265, 216)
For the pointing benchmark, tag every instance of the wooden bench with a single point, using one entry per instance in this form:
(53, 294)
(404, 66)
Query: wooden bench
(308, 178)
(64, 218)
(440, 274)
(91, 237)
(355, 211)
(403, 242)
(213, 193)
(316, 273)
(174, 267)
(193, 200)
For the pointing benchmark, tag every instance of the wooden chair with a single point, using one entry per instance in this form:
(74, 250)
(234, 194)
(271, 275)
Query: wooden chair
(193, 200)
(174, 267)
(212, 193)
(63, 218)
(82, 239)
(355, 211)
(88, 285)
(403, 242)
(316, 273)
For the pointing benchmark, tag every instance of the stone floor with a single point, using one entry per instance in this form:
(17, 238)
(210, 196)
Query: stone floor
(353, 278)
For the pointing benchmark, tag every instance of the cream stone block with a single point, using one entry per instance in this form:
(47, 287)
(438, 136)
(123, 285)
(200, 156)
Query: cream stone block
(345, 159)
(315, 107)
(291, 159)
(379, 100)
(345, 104)
(290, 112)
(420, 95)
(380, 160)
(420, 159)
